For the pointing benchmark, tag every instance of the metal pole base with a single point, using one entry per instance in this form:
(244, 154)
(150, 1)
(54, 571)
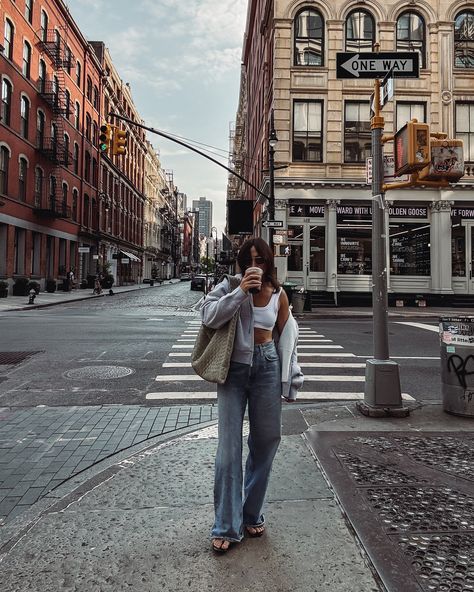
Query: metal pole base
(382, 395)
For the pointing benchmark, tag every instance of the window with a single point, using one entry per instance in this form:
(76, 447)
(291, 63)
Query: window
(94, 172)
(65, 192)
(95, 98)
(66, 150)
(8, 39)
(78, 74)
(22, 179)
(354, 249)
(411, 35)
(464, 40)
(86, 211)
(465, 128)
(35, 253)
(458, 251)
(357, 140)
(6, 101)
(52, 192)
(4, 166)
(89, 89)
(307, 136)
(295, 242)
(40, 125)
(95, 134)
(68, 60)
(309, 38)
(74, 204)
(42, 76)
(77, 116)
(410, 249)
(88, 126)
(38, 187)
(408, 111)
(29, 11)
(87, 166)
(44, 26)
(26, 60)
(24, 116)
(360, 31)
(75, 158)
(68, 103)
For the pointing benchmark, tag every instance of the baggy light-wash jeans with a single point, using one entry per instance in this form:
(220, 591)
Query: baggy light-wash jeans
(258, 385)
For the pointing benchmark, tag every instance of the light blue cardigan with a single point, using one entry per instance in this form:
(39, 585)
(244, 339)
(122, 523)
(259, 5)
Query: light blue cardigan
(218, 308)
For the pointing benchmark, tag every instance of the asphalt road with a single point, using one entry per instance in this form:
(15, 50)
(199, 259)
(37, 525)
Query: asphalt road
(134, 348)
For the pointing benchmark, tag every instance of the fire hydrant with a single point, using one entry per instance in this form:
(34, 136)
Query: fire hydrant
(31, 299)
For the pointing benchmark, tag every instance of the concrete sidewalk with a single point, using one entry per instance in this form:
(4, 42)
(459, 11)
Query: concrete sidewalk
(44, 299)
(143, 522)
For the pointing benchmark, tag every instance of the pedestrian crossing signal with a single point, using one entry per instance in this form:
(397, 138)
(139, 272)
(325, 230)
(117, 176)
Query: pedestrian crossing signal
(119, 145)
(105, 138)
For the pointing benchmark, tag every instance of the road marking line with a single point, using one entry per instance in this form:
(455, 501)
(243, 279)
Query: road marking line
(325, 355)
(308, 378)
(302, 396)
(405, 357)
(331, 365)
(179, 354)
(177, 365)
(419, 326)
(315, 341)
(319, 347)
(183, 346)
(192, 339)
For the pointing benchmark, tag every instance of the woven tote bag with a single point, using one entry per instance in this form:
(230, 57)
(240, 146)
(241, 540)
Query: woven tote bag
(213, 348)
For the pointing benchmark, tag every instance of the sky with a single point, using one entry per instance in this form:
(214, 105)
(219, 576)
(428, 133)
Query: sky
(182, 59)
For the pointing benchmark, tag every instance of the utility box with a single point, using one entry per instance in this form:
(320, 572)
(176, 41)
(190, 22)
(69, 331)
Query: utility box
(447, 161)
(456, 335)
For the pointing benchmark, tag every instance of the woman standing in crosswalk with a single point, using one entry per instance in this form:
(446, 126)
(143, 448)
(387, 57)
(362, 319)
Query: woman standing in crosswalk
(256, 380)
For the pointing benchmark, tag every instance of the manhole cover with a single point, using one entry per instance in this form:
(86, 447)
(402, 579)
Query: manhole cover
(99, 372)
(15, 357)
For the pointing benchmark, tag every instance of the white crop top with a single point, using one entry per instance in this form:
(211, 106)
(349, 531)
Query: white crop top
(265, 316)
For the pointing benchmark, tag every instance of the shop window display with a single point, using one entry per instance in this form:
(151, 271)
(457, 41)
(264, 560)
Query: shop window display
(295, 242)
(317, 248)
(354, 250)
(458, 251)
(410, 249)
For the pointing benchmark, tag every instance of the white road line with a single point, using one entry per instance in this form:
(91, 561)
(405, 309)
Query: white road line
(302, 396)
(308, 378)
(315, 341)
(179, 354)
(325, 355)
(419, 326)
(370, 356)
(331, 365)
(178, 365)
(300, 347)
(186, 339)
(183, 346)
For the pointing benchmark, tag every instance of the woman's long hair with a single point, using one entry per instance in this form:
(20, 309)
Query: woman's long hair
(264, 251)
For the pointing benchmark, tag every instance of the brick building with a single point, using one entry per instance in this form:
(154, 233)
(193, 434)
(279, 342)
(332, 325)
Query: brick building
(323, 129)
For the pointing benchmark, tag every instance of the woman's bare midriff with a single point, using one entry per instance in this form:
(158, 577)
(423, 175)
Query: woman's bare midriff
(262, 336)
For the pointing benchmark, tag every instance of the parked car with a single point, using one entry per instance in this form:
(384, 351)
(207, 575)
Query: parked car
(185, 277)
(199, 282)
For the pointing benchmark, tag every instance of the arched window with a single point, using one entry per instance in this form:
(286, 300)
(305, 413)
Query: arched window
(24, 116)
(95, 98)
(4, 166)
(87, 166)
(75, 158)
(78, 73)
(309, 38)
(26, 69)
(68, 103)
(411, 35)
(52, 192)
(66, 150)
(360, 31)
(95, 133)
(464, 39)
(77, 115)
(42, 76)
(6, 101)
(40, 124)
(89, 89)
(86, 215)
(88, 126)
(22, 179)
(8, 39)
(65, 191)
(44, 26)
(74, 204)
(29, 11)
(38, 186)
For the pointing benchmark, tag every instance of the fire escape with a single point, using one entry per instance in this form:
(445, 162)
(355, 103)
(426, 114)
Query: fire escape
(50, 202)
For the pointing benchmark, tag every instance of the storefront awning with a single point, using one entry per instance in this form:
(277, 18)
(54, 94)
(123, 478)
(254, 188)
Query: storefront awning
(130, 256)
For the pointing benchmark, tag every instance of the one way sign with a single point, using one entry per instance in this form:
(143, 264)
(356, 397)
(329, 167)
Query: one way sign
(376, 65)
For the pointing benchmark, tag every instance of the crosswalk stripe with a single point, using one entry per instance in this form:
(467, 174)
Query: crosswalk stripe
(315, 341)
(308, 378)
(179, 354)
(302, 396)
(324, 355)
(331, 365)
(186, 340)
(319, 347)
(183, 346)
(179, 365)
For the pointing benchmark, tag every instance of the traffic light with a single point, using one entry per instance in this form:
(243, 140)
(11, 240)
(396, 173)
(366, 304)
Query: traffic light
(119, 145)
(412, 150)
(447, 161)
(105, 138)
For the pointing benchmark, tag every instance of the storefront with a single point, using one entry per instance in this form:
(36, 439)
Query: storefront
(326, 246)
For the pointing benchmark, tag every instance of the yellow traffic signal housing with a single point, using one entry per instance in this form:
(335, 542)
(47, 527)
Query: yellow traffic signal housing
(447, 161)
(119, 145)
(105, 138)
(412, 150)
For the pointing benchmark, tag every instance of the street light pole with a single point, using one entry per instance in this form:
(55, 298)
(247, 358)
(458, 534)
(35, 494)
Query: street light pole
(214, 229)
(272, 140)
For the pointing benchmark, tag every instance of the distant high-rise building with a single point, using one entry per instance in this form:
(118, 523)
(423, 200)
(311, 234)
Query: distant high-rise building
(205, 215)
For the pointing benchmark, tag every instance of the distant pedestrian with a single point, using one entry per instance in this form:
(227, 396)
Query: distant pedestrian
(97, 286)
(261, 372)
(70, 279)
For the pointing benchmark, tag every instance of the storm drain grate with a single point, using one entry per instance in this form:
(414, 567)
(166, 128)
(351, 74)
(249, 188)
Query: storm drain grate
(410, 501)
(12, 358)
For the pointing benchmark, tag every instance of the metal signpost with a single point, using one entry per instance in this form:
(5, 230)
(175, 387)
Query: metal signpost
(382, 394)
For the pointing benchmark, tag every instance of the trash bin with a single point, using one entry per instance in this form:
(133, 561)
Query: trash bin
(457, 364)
(297, 301)
(289, 288)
